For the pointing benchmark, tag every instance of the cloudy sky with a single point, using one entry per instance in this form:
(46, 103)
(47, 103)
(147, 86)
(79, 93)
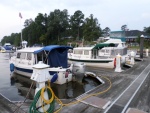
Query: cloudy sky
(110, 13)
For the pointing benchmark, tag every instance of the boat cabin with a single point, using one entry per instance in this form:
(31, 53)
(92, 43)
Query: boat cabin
(55, 56)
(107, 49)
(80, 52)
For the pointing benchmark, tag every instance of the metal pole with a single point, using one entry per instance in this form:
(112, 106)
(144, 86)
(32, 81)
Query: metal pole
(21, 28)
(141, 46)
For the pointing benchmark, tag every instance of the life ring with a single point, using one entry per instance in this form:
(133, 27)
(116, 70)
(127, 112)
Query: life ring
(114, 62)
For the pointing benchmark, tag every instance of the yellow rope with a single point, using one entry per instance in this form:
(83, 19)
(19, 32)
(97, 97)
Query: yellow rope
(42, 96)
(77, 101)
(71, 103)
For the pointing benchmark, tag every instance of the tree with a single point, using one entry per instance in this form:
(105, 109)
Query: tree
(123, 27)
(27, 22)
(76, 22)
(91, 28)
(57, 24)
(106, 31)
(147, 29)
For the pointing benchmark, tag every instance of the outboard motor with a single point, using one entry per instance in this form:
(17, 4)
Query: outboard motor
(78, 71)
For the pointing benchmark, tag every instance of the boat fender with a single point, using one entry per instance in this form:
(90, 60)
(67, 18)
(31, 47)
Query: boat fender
(114, 62)
(12, 67)
(54, 78)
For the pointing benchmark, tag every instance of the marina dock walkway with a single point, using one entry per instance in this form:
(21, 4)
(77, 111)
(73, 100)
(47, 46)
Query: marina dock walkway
(129, 89)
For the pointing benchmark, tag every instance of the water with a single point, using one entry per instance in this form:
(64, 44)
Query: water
(6, 88)
(15, 87)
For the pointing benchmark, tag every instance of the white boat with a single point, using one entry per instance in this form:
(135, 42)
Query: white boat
(2, 49)
(8, 46)
(101, 55)
(55, 56)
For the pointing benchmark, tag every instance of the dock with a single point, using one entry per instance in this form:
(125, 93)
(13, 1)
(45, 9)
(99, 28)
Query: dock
(128, 92)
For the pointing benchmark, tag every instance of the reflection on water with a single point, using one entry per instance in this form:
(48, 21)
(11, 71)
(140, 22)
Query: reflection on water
(23, 85)
(65, 91)
(15, 89)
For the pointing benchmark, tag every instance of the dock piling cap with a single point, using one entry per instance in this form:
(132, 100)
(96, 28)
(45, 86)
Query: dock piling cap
(132, 53)
(40, 72)
(40, 65)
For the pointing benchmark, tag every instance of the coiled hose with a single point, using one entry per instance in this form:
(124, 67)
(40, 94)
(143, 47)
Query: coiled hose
(51, 101)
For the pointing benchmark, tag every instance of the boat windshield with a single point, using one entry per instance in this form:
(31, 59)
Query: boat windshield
(42, 57)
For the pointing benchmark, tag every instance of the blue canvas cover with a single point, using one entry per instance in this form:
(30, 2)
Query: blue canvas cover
(57, 56)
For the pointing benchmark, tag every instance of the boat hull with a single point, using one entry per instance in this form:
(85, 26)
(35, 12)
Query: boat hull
(95, 62)
(24, 72)
(63, 76)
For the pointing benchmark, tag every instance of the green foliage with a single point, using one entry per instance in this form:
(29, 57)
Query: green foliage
(91, 29)
(146, 43)
(147, 29)
(55, 28)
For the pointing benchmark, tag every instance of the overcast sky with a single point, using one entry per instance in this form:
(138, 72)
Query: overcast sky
(110, 13)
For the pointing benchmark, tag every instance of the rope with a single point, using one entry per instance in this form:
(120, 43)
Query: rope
(24, 99)
(77, 101)
(51, 101)
(53, 97)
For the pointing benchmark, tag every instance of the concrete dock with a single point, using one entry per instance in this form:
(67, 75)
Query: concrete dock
(129, 93)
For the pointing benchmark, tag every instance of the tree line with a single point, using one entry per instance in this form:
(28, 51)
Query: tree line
(55, 28)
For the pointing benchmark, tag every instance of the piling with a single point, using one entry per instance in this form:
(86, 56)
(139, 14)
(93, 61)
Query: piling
(118, 63)
(141, 46)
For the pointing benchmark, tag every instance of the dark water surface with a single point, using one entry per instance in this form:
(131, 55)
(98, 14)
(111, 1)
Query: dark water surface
(15, 88)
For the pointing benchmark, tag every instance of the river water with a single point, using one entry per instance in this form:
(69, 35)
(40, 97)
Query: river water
(15, 87)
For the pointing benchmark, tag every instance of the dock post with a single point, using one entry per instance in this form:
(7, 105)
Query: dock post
(147, 50)
(132, 57)
(141, 46)
(118, 63)
(40, 75)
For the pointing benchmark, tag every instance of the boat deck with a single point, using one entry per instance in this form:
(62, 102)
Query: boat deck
(120, 96)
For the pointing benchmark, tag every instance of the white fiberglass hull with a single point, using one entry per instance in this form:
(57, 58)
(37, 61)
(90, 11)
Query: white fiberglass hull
(108, 63)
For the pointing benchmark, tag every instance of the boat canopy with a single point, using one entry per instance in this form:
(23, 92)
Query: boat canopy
(101, 45)
(56, 55)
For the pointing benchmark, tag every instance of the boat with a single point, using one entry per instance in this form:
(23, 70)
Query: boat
(100, 55)
(8, 46)
(54, 55)
(2, 49)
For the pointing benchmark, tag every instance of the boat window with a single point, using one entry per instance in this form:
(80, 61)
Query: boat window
(86, 52)
(107, 51)
(78, 52)
(116, 45)
(18, 55)
(102, 51)
(23, 55)
(29, 56)
(39, 57)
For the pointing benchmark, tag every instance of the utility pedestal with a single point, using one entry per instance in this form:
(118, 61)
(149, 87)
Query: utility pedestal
(147, 50)
(40, 75)
(132, 58)
(118, 63)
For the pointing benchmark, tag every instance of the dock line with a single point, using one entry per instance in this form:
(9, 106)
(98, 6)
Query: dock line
(94, 94)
